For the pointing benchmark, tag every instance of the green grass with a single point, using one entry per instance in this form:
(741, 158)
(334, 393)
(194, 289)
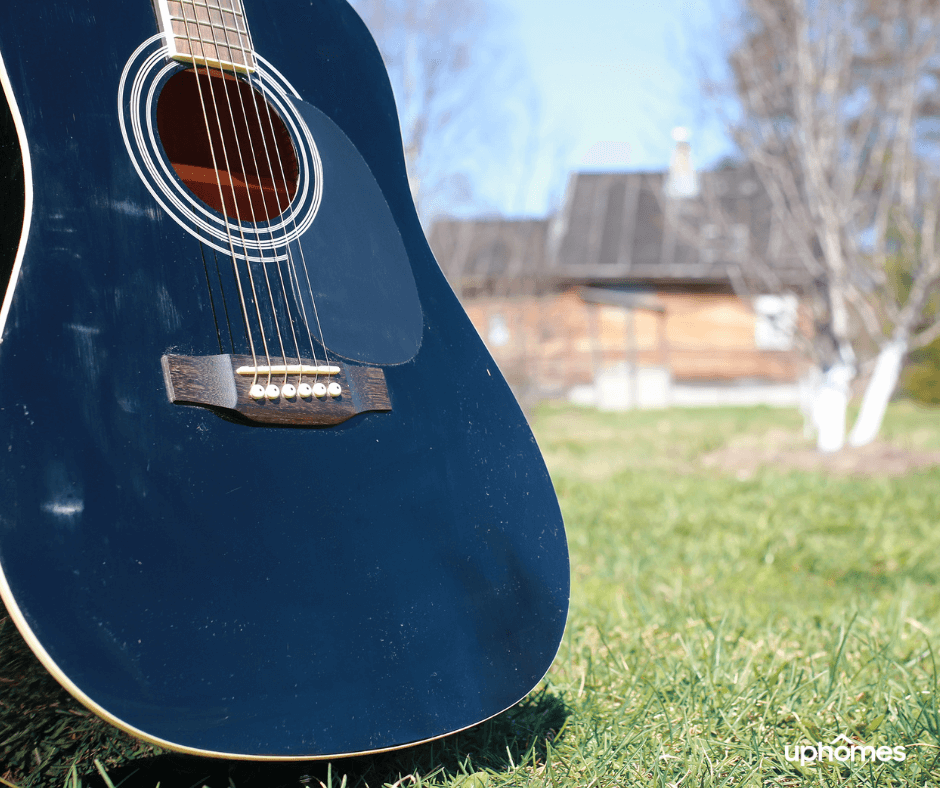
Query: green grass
(715, 621)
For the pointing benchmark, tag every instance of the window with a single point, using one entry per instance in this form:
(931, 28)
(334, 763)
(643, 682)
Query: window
(498, 333)
(774, 322)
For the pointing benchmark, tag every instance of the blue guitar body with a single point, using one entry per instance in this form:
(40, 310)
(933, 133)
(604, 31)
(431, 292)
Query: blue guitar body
(201, 573)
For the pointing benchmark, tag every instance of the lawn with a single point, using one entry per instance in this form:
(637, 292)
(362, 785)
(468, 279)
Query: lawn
(724, 625)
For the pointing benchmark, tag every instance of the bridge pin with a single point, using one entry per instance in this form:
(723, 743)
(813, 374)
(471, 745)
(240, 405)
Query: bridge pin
(272, 391)
(257, 391)
(319, 390)
(288, 390)
(335, 389)
(305, 390)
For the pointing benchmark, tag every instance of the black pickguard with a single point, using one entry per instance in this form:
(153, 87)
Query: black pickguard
(246, 591)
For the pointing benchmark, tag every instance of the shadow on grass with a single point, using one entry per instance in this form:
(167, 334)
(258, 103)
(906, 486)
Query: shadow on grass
(517, 736)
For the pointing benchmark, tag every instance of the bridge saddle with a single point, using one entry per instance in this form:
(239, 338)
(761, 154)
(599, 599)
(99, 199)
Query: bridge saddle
(305, 393)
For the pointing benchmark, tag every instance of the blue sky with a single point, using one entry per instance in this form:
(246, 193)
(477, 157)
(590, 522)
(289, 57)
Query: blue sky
(614, 78)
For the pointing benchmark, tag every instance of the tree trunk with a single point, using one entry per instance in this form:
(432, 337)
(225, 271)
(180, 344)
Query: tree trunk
(809, 386)
(829, 407)
(878, 392)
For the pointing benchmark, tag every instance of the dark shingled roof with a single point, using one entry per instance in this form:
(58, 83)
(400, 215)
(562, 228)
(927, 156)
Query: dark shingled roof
(621, 227)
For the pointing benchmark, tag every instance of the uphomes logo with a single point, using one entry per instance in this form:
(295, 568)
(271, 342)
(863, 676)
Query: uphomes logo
(843, 750)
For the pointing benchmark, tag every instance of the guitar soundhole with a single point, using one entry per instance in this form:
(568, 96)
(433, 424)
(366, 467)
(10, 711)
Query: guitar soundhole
(255, 174)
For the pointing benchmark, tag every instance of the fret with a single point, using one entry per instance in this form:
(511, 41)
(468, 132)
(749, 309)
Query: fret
(224, 18)
(207, 32)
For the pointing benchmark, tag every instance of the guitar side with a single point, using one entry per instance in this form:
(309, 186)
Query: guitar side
(15, 192)
(234, 590)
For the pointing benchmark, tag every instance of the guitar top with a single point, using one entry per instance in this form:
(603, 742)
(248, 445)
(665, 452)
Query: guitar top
(263, 492)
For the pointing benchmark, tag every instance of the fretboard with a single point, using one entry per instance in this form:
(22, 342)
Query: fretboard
(207, 32)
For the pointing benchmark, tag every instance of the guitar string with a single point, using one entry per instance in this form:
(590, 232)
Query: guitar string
(291, 264)
(228, 322)
(234, 11)
(215, 168)
(235, 207)
(295, 281)
(292, 269)
(303, 261)
(215, 316)
(228, 231)
(241, 161)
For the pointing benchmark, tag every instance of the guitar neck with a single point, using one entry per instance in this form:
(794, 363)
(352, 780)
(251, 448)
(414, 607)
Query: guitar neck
(211, 33)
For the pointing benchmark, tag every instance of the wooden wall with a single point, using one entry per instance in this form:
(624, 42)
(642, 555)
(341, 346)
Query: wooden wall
(558, 340)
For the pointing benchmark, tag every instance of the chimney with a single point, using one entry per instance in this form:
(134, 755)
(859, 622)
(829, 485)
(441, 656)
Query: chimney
(682, 182)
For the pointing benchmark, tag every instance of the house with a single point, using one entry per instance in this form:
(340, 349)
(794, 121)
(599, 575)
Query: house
(644, 290)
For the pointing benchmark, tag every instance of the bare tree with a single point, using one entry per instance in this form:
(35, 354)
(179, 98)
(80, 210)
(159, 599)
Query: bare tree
(466, 105)
(833, 98)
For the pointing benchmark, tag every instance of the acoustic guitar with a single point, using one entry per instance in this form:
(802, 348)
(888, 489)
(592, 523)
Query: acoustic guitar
(263, 492)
